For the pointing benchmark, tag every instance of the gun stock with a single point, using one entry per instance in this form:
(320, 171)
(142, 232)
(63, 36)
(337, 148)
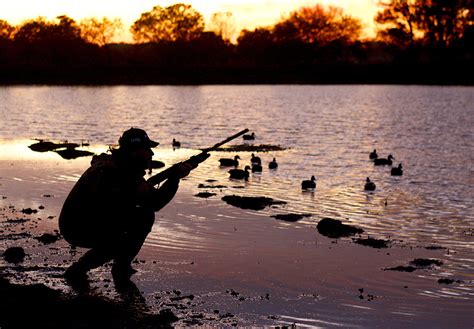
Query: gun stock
(195, 160)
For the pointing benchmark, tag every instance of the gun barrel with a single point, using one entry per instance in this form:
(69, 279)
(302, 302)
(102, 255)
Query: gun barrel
(225, 141)
(161, 176)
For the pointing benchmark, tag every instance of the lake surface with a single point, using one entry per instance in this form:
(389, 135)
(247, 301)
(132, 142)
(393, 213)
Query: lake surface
(328, 131)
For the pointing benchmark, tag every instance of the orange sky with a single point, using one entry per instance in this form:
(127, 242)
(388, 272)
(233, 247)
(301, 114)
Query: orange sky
(247, 13)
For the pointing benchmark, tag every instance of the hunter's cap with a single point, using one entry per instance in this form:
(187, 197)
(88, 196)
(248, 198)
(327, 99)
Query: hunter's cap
(136, 138)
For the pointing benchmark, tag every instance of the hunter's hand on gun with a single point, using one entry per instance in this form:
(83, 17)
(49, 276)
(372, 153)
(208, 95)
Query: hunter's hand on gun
(182, 169)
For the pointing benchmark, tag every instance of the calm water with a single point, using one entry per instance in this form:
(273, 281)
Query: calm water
(328, 132)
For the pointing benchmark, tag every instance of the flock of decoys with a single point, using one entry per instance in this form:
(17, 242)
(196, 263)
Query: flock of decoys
(395, 171)
(255, 163)
(310, 184)
(255, 166)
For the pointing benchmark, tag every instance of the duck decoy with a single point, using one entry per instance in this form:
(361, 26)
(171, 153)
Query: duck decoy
(369, 185)
(273, 164)
(175, 143)
(239, 173)
(255, 159)
(373, 155)
(309, 184)
(249, 137)
(382, 161)
(256, 167)
(226, 162)
(397, 171)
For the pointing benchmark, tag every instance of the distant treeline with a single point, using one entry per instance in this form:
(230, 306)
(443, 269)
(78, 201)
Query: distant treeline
(421, 42)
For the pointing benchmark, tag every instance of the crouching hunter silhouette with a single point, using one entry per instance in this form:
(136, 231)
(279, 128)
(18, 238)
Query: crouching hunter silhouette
(111, 208)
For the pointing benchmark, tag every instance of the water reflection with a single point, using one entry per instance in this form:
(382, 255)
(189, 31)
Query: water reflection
(328, 131)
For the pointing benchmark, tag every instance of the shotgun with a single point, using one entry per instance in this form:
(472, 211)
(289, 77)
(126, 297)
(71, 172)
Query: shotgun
(195, 160)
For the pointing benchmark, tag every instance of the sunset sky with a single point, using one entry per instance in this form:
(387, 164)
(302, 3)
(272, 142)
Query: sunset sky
(247, 13)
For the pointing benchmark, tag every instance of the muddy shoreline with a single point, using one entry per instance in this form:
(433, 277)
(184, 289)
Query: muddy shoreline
(53, 304)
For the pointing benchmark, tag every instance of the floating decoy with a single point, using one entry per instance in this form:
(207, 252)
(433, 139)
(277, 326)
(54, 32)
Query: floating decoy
(397, 171)
(382, 161)
(239, 173)
(249, 137)
(309, 184)
(373, 154)
(226, 162)
(256, 167)
(273, 164)
(175, 143)
(255, 159)
(369, 185)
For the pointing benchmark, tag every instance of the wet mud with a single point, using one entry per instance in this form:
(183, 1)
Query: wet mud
(95, 303)
(54, 309)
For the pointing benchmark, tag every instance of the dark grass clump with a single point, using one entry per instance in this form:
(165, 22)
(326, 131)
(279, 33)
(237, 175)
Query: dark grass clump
(448, 281)
(211, 186)
(401, 268)
(204, 194)
(416, 264)
(47, 238)
(425, 262)
(72, 153)
(290, 217)
(45, 146)
(333, 228)
(251, 148)
(254, 203)
(14, 255)
(374, 243)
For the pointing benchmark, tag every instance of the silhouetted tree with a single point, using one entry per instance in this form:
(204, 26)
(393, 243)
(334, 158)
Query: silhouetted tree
(51, 43)
(40, 30)
(223, 24)
(435, 22)
(255, 44)
(259, 36)
(318, 24)
(100, 32)
(399, 22)
(444, 21)
(175, 22)
(6, 30)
